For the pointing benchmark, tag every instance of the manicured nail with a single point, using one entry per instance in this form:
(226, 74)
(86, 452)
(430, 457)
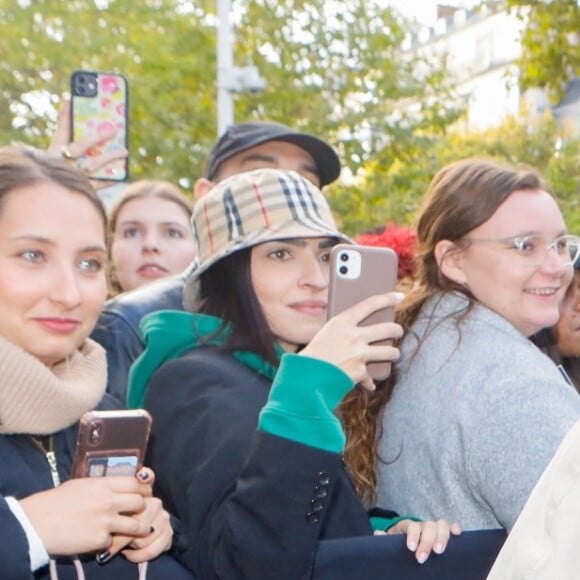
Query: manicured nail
(438, 548)
(103, 557)
(412, 546)
(422, 557)
(399, 296)
(143, 475)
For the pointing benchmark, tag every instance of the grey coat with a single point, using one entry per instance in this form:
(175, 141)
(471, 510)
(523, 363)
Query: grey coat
(474, 419)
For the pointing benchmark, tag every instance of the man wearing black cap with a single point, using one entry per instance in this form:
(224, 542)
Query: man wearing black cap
(241, 148)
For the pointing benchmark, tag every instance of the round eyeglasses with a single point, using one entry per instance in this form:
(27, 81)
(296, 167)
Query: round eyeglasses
(534, 249)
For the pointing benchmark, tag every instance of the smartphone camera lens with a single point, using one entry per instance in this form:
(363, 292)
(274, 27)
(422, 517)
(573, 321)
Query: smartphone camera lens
(85, 85)
(344, 257)
(343, 269)
(95, 432)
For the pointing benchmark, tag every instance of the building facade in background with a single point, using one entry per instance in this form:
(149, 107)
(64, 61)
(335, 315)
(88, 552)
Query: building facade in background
(482, 47)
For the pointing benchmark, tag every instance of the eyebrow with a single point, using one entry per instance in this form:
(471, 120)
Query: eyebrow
(269, 159)
(140, 223)
(301, 242)
(47, 242)
(563, 232)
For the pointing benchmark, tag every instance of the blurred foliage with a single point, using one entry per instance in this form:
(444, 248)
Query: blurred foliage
(550, 43)
(166, 50)
(334, 69)
(381, 194)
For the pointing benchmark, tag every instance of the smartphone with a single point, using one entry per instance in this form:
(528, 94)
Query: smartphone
(111, 443)
(100, 100)
(357, 272)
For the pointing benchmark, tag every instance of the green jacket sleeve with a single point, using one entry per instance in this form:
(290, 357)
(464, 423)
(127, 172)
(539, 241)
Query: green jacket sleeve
(301, 405)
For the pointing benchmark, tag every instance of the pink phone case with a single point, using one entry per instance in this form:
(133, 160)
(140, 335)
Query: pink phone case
(111, 443)
(357, 272)
(99, 100)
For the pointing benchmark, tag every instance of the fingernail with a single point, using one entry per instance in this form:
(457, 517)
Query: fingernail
(422, 557)
(412, 546)
(103, 557)
(143, 475)
(399, 296)
(438, 548)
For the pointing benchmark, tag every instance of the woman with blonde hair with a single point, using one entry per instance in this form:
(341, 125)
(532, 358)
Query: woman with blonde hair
(149, 234)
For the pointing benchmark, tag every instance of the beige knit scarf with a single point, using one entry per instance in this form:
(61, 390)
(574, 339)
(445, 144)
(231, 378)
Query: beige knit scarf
(39, 400)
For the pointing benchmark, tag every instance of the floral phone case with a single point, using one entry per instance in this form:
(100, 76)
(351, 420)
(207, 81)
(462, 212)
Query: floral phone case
(99, 100)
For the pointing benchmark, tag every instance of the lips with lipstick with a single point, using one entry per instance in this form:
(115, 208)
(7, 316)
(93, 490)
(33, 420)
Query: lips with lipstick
(61, 325)
(312, 307)
(152, 270)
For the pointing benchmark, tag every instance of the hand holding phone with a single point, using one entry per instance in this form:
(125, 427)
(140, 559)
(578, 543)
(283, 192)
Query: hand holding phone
(99, 106)
(357, 272)
(111, 443)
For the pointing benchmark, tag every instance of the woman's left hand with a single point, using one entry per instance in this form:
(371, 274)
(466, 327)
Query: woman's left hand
(425, 537)
(60, 144)
(157, 541)
(160, 538)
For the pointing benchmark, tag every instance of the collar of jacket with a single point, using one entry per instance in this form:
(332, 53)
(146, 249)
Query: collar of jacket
(168, 334)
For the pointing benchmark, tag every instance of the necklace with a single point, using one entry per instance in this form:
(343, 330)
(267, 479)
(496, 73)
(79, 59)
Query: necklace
(46, 445)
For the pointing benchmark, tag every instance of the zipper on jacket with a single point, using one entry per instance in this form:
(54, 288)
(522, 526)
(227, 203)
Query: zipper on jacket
(50, 457)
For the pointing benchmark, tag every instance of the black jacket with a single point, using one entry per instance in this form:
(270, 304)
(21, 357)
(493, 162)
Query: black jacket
(117, 329)
(256, 505)
(24, 471)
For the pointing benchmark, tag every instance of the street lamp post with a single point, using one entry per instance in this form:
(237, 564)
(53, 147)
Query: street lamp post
(231, 79)
(225, 66)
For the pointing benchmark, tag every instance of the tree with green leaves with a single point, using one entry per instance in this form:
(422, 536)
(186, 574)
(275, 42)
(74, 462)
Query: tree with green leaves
(384, 193)
(550, 43)
(332, 69)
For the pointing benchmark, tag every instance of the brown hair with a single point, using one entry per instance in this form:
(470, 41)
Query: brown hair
(461, 197)
(22, 166)
(142, 189)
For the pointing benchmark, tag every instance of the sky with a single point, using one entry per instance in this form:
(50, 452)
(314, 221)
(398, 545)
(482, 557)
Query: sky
(425, 10)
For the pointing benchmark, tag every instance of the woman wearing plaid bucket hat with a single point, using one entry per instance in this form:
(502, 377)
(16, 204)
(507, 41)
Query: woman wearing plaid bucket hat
(246, 445)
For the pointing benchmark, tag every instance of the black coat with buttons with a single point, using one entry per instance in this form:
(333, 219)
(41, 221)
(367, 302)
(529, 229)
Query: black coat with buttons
(255, 505)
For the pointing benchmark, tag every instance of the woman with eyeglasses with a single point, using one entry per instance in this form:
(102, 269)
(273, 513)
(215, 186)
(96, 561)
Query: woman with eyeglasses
(477, 411)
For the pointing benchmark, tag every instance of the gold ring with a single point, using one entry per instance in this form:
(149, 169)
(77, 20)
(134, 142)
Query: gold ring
(66, 153)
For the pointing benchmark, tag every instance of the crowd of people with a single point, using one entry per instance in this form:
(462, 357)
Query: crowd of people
(273, 453)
